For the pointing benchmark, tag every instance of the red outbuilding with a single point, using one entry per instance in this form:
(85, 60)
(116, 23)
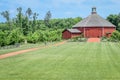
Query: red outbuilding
(70, 33)
(93, 26)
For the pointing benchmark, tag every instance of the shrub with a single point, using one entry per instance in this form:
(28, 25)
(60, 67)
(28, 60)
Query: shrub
(10, 37)
(44, 36)
(15, 36)
(104, 39)
(79, 38)
(115, 36)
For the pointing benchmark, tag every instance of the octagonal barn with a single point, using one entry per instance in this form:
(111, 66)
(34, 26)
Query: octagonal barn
(94, 26)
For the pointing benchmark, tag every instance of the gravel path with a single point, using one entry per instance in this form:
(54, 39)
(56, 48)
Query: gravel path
(28, 50)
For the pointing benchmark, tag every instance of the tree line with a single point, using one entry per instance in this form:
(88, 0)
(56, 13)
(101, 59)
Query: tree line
(115, 19)
(25, 27)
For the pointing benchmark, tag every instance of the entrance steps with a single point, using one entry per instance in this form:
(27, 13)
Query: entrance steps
(93, 40)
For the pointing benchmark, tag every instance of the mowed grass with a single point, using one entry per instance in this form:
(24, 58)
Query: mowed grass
(70, 61)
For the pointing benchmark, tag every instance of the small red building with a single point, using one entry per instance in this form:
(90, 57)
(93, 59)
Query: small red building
(70, 33)
(94, 26)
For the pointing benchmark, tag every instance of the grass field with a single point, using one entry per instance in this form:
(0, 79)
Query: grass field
(71, 61)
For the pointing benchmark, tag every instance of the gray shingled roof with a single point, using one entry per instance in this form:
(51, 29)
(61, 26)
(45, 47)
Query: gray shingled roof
(94, 20)
(74, 30)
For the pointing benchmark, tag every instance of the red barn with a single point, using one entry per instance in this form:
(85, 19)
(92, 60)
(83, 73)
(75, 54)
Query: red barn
(94, 26)
(70, 33)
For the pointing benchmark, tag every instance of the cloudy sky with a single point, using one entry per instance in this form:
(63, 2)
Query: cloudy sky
(61, 8)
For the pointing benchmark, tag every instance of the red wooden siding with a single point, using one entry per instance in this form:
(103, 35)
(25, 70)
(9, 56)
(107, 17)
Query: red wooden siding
(90, 32)
(108, 31)
(75, 34)
(93, 32)
(66, 35)
(96, 31)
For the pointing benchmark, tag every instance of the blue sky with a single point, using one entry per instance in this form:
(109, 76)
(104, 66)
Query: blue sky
(61, 8)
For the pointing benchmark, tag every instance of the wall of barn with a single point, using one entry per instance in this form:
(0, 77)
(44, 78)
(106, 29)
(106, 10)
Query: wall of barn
(75, 34)
(108, 31)
(66, 35)
(90, 32)
(94, 32)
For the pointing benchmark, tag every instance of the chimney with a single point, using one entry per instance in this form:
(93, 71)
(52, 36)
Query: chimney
(94, 10)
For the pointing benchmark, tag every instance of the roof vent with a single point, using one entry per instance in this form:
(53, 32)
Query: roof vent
(94, 10)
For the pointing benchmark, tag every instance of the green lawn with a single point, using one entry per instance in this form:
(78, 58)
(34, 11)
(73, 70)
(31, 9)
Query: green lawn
(71, 61)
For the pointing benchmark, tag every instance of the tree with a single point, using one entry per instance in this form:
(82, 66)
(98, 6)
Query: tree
(118, 28)
(29, 12)
(15, 36)
(115, 19)
(115, 36)
(6, 15)
(23, 21)
(35, 22)
(26, 27)
(19, 17)
(47, 19)
(2, 38)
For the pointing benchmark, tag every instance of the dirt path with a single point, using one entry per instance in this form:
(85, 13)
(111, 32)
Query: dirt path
(93, 40)
(27, 50)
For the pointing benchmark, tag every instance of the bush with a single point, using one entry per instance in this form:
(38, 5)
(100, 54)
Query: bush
(3, 36)
(104, 39)
(15, 36)
(33, 37)
(115, 36)
(43, 36)
(78, 39)
(10, 37)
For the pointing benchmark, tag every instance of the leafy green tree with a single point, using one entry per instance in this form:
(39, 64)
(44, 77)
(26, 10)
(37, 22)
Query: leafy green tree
(2, 38)
(115, 36)
(15, 36)
(25, 26)
(27, 20)
(4, 27)
(6, 15)
(29, 12)
(22, 21)
(34, 25)
(115, 19)
(47, 19)
(118, 28)
(19, 18)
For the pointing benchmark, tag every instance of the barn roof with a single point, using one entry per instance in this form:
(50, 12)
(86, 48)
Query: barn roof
(94, 20)
(73, 30)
